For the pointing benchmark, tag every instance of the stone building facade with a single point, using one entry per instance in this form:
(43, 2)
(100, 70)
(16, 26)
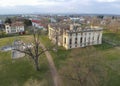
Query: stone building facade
(75, 36)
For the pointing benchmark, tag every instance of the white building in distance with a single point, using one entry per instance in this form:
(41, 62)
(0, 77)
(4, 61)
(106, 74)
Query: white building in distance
(74, 36)
(15, 27)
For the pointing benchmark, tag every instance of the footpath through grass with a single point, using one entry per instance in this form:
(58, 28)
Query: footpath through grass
(60, 56)
(21, 72)
(110, 53)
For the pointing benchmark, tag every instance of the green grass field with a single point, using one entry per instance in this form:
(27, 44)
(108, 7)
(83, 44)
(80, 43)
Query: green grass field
(115, 37)
(21, 72)
(110, 54)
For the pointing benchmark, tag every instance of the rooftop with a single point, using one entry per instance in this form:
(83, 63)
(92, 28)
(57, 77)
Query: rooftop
(16, 24)
(73, 27)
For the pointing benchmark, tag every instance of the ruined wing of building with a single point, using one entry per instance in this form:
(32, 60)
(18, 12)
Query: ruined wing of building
(74, 36)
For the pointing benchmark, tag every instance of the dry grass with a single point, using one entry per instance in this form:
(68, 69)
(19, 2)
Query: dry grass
(79, 65)
(108, 54)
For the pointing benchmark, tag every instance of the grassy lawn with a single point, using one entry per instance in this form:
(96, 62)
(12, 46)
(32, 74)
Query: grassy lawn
(112, 36)
(110, 54)
(20, 72)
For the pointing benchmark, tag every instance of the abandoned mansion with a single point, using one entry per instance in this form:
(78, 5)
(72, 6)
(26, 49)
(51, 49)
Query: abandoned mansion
(74, 35)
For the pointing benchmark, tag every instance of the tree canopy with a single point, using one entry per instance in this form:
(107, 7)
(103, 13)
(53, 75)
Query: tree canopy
(8, 20)
(27, 22)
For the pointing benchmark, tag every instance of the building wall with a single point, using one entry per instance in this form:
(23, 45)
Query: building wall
(54, 34)
(10, 29)
(37, 25)
(82, 39)
(7, 28)
(77, 39)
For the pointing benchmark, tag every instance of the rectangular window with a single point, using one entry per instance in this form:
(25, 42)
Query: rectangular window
(65, 40)
(98, 38)
(81, 33)
(89, 33)
(93, 38)
(70, 41)
(85, 39)
(81, 40)
(76, 34)
(75, 40)
(89, 41)
(56, 38)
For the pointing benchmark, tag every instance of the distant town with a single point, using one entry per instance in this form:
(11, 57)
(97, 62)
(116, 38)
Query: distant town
(87, 28)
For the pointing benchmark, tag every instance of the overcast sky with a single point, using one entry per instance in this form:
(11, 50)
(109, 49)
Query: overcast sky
(59, 6)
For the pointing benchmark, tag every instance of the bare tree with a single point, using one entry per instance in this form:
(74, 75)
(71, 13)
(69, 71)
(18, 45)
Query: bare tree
(35, 51)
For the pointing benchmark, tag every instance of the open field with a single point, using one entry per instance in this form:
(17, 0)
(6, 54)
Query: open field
(110, 55)
(20, 72)
(111, 36)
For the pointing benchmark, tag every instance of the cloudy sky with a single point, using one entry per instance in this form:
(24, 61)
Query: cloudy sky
(60, 6)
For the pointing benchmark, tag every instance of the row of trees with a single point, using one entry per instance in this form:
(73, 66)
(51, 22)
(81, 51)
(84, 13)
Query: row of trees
(26, 22)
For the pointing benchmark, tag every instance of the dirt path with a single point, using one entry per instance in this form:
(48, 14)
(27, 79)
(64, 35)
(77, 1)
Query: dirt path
(55, 76)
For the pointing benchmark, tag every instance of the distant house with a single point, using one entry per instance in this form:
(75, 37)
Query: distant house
(36, 23)
(77, 19)
(53, 20)
(16, 27)
(1, 25)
